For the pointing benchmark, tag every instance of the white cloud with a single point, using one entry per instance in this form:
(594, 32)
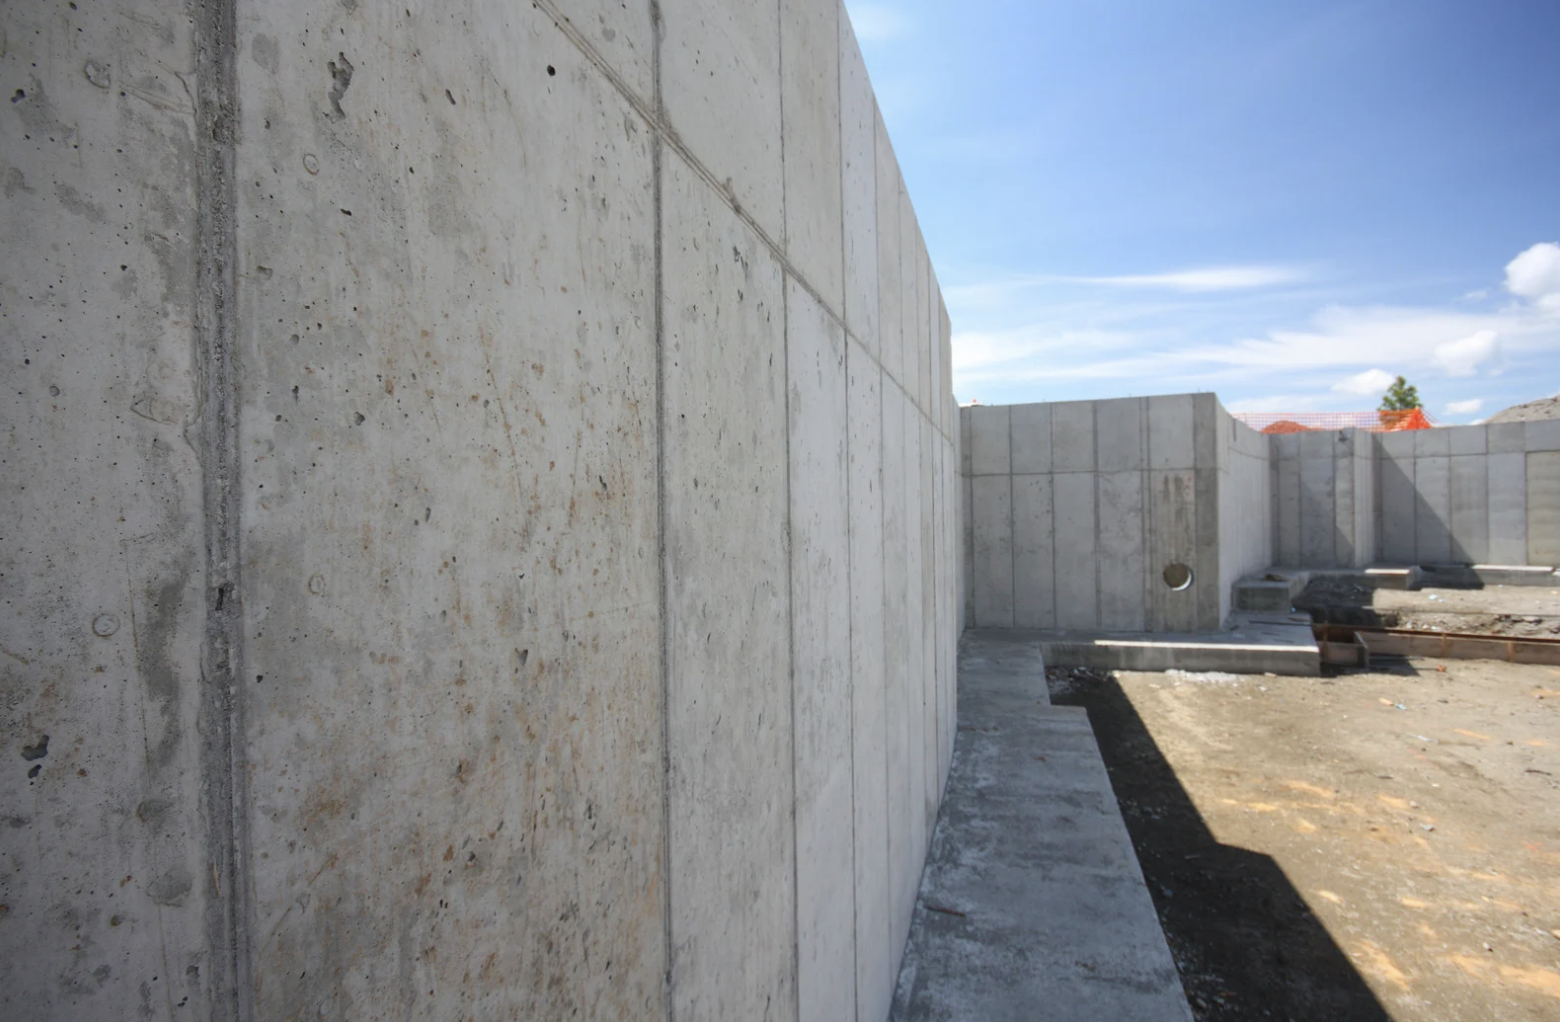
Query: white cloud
(1371, 381)
(876, 23)
(1535, 275)
(1215, 278)
(1463, 356)
(1467, 407)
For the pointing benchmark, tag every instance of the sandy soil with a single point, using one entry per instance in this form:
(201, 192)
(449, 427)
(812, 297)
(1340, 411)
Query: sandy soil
(1365, 846)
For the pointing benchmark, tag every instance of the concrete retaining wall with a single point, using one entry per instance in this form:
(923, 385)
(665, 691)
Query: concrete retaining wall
(1324, 498)
(1246, 527)
(484, 514)
(1075, 510)
(1471, 495)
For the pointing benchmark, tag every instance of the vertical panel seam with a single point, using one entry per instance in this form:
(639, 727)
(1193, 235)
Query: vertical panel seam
(222, 744)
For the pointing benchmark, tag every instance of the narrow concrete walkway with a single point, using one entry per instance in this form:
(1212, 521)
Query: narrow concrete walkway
(1032, 904)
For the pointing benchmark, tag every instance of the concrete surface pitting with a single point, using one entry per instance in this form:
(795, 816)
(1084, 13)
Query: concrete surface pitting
(484, 525)
(1032, 905)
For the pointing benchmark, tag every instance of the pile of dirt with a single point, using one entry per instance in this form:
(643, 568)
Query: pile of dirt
(1532, 411)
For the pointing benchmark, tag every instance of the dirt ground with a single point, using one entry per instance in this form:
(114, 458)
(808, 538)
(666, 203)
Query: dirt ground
(1363, 846)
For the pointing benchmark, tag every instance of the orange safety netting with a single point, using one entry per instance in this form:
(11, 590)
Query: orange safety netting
(1305, 422)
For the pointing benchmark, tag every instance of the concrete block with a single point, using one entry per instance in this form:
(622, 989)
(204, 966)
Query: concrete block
(1507, 477)
(1543, 435)
(810, 109)
(820, 659)
(1543, 505)
(1077, 580)
(1172, 539)
(721, 87)
(1123, 564)
(1398, 508)
(105, 581)
(912, 692)
(1205, 434)
(1072, 436)
(1432, 442)
(1034, 578)
(1467, 440)
(1287, 511)
(993, 514)
(1345, 516)
(1171, 439)
(1031, 430)
(1119, 435)
(869, 712)
(1505, 437)
(990, 434)
(1470, 508)
(1433, 509)
(891, 345)
(479, 637)
(1318, 512)
(728, 668)
(896, 644)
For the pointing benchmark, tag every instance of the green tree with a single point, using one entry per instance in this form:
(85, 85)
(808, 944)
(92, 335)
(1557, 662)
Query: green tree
(1400, 397)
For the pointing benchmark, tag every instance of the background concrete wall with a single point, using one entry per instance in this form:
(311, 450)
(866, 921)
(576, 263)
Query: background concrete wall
(1246, 531)
(1470, 495)
(1324, 499)
(1074, 510)
(486, 520)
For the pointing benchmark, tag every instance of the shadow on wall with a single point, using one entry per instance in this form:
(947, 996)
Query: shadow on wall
(1246, 943)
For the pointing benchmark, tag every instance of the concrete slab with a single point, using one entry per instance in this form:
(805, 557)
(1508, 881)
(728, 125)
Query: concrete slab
(897, 638)
(1287, 511)
(910, 302)
(1345, 517)
(928, 632)
(1542, 435)
(1171, 440)
(1205, 435)
(1433, 509)
(858, 152)
(1470, 507)
(1031, 856)
(1072, 436)
(1077, 580)
(1396, 445)
(990, 440)
(1467, 439)
(1031, 431)
(1258, 643)
(1172, 539)
(1506, 437)
(869, 710)
(729, 669)
(820, 659)
(993, 518)
(721, 87)
(1507, 478)
(1395, 476)
(1123, 556)
(1543, 506)
(1034, 570)
(1209, 593)
(1318, 511)
(913, 691)
(891, 349)
(810, 108)
(1430, 443)
(1120, 435)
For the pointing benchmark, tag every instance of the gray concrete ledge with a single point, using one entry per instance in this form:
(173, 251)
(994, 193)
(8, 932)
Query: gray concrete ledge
(1032, 904)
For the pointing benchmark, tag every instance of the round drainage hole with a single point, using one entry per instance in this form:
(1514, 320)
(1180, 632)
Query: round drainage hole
(1178, 577)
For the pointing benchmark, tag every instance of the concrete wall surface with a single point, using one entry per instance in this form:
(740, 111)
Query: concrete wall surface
(1324, 498)
(1469, 495)
(486, 520)
(1075, 509)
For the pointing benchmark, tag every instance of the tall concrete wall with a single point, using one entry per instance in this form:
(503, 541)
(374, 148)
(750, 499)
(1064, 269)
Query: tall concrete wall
(1324, 498)
(484, 509)
(1470, 495)
(1075, 510)
(1246, 529)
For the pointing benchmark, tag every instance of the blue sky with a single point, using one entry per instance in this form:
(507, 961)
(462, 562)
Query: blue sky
(1286, 203)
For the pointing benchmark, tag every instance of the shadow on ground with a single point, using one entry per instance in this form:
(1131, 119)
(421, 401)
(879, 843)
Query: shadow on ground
(1246, 943)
